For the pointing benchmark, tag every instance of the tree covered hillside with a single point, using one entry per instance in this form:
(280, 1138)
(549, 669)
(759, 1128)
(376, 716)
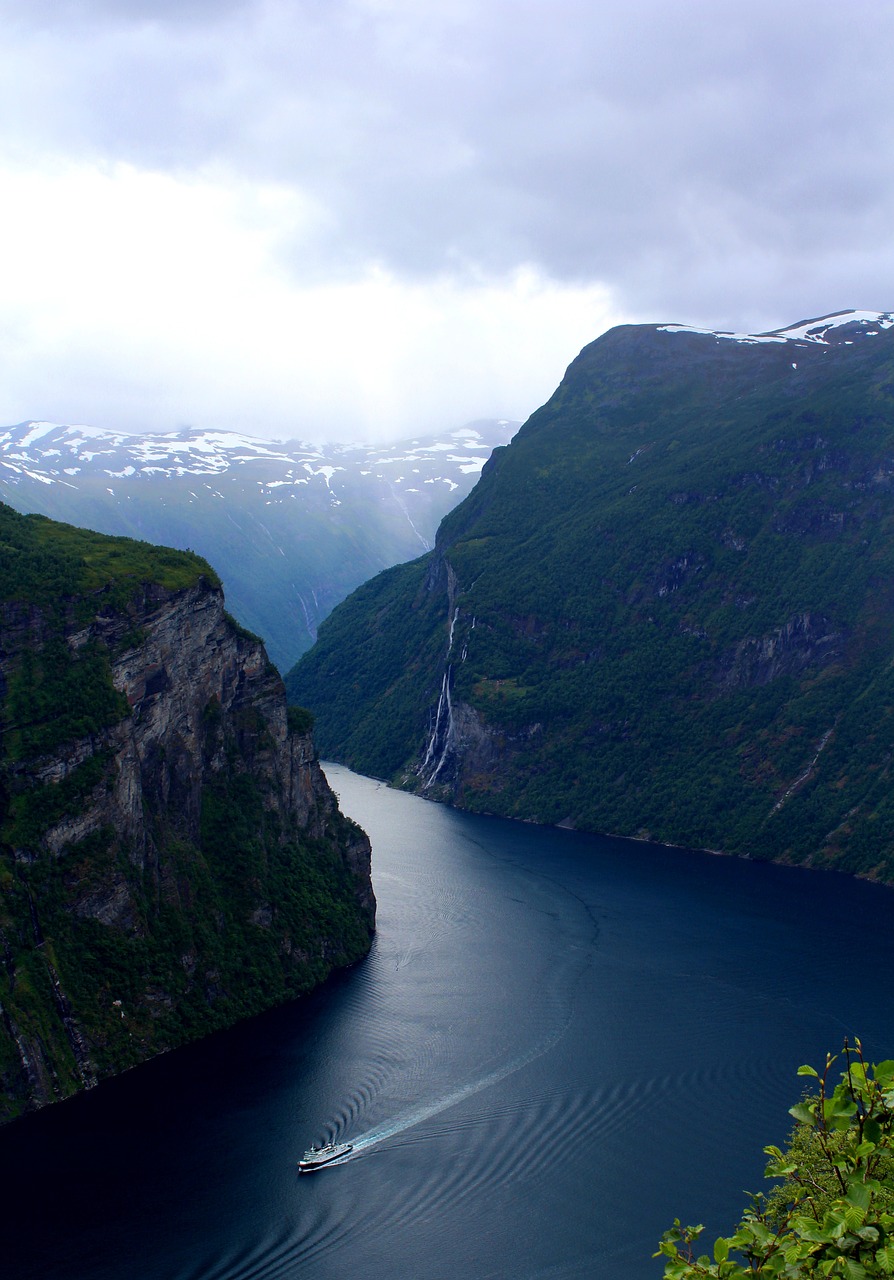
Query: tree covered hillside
(665, 610)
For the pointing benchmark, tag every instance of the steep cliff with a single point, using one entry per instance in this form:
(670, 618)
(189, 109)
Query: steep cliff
(666, 608)
(172, 858)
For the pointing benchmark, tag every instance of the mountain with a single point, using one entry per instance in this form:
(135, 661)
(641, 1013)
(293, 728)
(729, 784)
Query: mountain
(664, 611)
(292, 527)
(171, 857)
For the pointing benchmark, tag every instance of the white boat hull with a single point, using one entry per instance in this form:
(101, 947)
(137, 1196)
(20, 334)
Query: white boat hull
(317, 1157)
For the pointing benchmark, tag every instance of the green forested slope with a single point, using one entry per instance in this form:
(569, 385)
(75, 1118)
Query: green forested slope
(171, 858)
(671, 605)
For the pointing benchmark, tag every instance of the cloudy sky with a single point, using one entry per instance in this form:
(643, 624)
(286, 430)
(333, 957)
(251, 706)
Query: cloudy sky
(365, 218)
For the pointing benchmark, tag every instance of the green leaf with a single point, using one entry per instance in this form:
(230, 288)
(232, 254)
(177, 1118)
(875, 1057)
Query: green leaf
(841, 1103)
(884, 1072)
(872, 1131)
(803, 1112)
(884, 1256)
(839, 1110)
(854, 1216)
(834, 1223)
(809, 1229)
(721, 1249)
(808, 1071)
(859, 1194)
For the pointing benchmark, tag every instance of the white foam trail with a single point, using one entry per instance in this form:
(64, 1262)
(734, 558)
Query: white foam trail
(425, 1111)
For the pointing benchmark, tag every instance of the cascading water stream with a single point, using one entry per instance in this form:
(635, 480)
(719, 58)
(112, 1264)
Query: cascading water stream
(441, 737)
(442, 731)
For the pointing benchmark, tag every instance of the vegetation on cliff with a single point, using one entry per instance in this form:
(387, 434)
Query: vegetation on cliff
(63, 576)
(171, 858)
(44, 562)
(665, 610)
(832, 1213)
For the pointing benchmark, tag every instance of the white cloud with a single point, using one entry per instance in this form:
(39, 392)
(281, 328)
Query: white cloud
(342, 214)
(146, 300)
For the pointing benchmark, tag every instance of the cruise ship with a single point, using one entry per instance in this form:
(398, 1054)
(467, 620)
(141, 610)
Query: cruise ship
(317, 1156)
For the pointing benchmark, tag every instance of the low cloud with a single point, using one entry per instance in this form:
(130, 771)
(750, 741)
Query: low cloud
(174, 310)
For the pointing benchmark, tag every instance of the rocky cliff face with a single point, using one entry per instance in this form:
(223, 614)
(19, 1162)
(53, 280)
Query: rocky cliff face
(172, 855)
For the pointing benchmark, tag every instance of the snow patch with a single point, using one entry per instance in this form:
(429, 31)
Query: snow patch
(813, 331)
(326, 472)
(38, 430)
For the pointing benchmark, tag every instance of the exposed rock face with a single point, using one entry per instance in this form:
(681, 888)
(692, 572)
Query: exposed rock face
(805, 641)
(191, 670)
(182, 866)
(476, 752)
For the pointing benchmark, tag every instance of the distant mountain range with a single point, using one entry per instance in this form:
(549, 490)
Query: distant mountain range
(291, 527)
(665, 610)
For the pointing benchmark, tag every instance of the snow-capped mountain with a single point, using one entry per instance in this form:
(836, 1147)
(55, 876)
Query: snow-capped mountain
(291, 527)
(840, 328)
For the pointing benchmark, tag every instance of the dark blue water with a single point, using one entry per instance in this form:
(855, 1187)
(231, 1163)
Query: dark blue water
(558, 1044)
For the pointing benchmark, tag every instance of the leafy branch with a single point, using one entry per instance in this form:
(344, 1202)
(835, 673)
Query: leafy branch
(833, 1215)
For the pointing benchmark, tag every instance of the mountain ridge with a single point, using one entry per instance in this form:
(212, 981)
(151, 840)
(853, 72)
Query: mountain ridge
(662, 609)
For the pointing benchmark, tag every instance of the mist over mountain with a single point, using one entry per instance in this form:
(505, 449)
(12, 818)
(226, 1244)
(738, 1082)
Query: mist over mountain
(291, 527)
(665, 610)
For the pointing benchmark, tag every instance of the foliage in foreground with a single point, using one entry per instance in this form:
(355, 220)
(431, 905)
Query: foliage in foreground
(834, 1213)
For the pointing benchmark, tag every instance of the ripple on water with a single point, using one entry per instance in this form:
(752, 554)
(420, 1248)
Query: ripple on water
(539, 1064)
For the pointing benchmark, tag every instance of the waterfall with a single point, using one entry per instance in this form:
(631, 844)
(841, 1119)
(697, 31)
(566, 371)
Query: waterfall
(441, 737)
(440, 741)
